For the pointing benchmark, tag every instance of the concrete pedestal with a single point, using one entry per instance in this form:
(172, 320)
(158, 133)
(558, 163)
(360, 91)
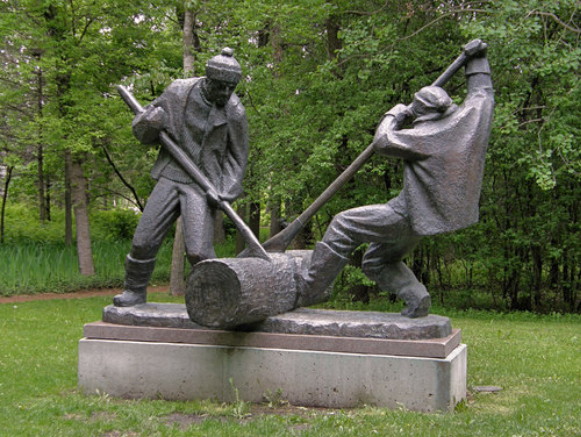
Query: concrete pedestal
(309, 370)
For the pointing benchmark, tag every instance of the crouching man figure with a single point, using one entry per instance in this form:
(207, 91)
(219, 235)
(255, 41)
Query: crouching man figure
(207, 120)
(443, 152)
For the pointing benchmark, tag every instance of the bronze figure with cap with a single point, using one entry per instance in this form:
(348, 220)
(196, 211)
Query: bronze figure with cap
(443, 147)
(208, 122)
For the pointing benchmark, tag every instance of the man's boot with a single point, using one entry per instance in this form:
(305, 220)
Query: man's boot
(314, 282)
(417, 301)
(399, 278)
(137, 275)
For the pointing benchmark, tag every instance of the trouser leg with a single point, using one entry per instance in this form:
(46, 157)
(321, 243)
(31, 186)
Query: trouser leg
(382, 264)
(391, 237)
(324, 266)
(161, 211)
(198, 220)
(347, 230)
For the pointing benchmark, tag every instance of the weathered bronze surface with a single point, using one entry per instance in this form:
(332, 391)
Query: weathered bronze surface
(203, 130)
(443, 147)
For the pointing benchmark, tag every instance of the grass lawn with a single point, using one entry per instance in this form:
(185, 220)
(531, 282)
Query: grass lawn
(535, 359)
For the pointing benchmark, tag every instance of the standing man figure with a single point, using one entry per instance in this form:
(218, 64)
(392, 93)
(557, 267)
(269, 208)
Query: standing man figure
(207, 120)
(444, 153)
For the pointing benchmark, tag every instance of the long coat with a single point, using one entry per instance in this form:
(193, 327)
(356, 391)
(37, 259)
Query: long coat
(216, 139)
(444, 163)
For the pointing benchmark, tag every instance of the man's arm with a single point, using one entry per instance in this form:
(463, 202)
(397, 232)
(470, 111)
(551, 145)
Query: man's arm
(477, 68)
(236, 156)
(148, 124)
(388, 141)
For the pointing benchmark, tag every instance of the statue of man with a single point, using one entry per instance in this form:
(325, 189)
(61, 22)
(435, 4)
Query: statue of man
(208, 121)
(443, 153)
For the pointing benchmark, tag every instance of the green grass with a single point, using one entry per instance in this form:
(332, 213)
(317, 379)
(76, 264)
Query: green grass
(37, 268)
(535, 359)
(48, 267)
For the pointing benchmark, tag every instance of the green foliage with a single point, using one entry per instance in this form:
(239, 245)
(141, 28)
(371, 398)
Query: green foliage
(318, 75)
(23, 227)
(34, 259)
(114, 225)
(53, 268)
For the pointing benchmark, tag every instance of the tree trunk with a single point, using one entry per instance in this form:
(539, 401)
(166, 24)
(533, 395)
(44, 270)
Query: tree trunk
(333, 40)
(42, 209)
(219, 232)
(188, 42)
(4, 200)
(80, 206)
(40, 181)
(240, 243)
(68, 200)
(177, 282)
(275, 222)
(254, 218)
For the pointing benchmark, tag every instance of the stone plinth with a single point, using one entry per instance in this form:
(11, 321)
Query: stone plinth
(328, 360)
(301, 321)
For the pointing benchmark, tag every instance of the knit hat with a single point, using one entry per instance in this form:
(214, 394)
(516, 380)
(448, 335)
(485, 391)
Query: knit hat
(434, 97)
(224, 67)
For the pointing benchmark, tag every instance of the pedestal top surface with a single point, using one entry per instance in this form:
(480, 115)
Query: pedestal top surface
(304, 321)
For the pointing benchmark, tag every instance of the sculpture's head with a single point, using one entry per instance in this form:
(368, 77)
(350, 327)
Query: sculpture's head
(432, 103)
(223, 73)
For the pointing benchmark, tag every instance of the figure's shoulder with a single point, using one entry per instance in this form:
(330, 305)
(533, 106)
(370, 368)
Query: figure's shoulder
(235, 108)
(482, 99)
(181, 86)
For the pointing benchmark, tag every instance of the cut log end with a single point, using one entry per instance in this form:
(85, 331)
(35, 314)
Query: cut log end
(213, 295)
(227, 292)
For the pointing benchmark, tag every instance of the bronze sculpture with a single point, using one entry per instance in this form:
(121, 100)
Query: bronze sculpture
(444, 153)
(208, 122)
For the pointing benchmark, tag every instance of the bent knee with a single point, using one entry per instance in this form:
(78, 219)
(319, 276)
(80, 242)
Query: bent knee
(372, 269)
(143, 249)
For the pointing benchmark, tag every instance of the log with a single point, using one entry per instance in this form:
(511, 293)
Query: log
(226, 292)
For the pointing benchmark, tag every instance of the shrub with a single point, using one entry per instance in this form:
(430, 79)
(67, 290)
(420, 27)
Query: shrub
(114, 224)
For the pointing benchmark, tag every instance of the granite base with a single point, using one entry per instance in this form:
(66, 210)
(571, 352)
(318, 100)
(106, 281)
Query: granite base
(308, 370)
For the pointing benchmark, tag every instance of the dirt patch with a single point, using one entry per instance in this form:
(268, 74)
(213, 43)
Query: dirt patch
(81, 294)
(256, 411)
(183, 421)
(121, 434)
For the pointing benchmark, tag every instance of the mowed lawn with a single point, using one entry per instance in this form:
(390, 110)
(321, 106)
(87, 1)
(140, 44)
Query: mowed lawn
(535, 359)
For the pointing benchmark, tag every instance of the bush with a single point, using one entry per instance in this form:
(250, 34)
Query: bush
(22, 226)
(114, 224)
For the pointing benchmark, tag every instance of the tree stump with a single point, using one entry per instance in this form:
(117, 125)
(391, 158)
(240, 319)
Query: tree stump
(226, 292)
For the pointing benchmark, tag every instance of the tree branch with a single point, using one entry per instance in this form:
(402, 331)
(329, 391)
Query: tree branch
(556, 19)
(123, 180)
(441, 17)
(107, 190)
(86, 28)
(363, 13)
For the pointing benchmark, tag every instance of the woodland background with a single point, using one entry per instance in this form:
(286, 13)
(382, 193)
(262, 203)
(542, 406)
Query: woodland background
(318, 75)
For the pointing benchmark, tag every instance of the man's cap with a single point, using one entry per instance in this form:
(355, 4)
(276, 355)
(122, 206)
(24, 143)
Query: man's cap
(434, 97)
(224, 67)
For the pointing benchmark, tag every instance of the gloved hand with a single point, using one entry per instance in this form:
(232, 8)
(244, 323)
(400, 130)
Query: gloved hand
(400, 113)
(213, 198)
(147, 125)
(476, 47)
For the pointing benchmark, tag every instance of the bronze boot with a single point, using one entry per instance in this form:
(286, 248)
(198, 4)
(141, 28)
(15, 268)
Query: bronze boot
(137, 275)
(314, 282)
(417, 301)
